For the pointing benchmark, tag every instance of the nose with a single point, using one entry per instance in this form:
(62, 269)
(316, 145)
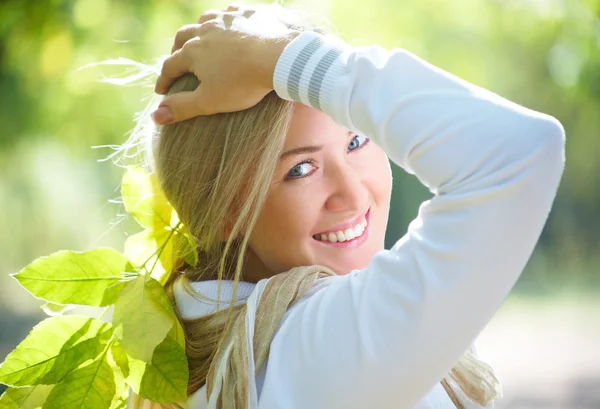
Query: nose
(348, 192)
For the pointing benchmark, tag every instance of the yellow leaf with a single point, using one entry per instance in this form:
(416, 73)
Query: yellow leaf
(144, 199)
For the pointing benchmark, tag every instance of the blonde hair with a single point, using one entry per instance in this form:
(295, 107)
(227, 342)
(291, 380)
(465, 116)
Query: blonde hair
(216, 170)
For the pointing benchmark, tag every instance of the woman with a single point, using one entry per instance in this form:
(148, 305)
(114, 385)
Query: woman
(286, 166)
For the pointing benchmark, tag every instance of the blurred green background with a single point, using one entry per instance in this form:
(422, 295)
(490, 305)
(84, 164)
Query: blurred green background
(543, 54)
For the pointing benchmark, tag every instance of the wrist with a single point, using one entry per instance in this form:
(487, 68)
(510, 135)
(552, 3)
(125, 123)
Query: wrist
(272, 51)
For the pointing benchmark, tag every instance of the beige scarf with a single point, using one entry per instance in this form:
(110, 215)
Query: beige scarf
(231, 377)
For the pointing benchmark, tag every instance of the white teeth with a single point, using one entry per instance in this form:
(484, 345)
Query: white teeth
(358, 230)
(349, 234)
(345, 235)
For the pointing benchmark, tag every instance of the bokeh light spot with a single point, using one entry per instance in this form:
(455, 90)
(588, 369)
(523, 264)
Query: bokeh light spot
(564, 64)
(90, 13)
(56, 54)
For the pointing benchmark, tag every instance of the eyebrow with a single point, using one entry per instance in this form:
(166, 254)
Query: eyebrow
(301, 149)
(304, 149)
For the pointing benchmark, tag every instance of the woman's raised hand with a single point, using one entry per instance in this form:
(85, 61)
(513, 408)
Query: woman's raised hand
(233, 54)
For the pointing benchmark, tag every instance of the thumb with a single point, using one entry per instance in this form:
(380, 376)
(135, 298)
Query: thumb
(181, 106)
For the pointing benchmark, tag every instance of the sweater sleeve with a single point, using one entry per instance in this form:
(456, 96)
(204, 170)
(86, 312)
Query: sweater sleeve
(383, 336)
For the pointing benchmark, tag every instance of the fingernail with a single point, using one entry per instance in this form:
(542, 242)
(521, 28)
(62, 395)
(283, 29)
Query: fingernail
(163, 115)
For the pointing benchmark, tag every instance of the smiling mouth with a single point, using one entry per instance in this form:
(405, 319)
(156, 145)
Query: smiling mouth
(346, 235)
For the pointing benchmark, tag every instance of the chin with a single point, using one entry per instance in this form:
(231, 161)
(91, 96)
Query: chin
(345, 270)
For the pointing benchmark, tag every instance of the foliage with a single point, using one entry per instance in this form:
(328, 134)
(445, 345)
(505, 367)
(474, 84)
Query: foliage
(75, 278)
(79, 362)
(29, 397)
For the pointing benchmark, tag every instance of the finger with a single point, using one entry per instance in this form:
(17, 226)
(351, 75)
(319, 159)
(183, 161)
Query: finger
(240, 11)
(248, 13)
(234, 7)
(184, 34)
(228, 20)
(210, 15)
(239, 7)
(181, 106)
(173, 67)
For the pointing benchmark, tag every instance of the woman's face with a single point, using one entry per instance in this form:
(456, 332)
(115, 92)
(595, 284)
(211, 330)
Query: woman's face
(329, 186)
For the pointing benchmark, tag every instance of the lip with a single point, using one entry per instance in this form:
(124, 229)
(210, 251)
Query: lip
(346, 225)
(354, 242)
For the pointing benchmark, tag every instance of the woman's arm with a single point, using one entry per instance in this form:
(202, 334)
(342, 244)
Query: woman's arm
(383, 336)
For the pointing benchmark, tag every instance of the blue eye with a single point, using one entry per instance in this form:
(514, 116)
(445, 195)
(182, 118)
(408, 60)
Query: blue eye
(357, 142)
(301, 170)
(307, 167)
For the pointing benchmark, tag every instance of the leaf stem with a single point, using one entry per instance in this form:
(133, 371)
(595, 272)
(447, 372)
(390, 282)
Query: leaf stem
(159, 251)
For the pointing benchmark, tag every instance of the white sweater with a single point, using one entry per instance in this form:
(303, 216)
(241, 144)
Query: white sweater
(383, 337)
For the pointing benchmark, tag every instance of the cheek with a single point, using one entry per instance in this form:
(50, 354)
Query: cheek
(379, 176)
(282, 232)
(291, 211)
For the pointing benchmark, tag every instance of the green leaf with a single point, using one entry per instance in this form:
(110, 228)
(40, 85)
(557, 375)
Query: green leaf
(31, 397)
(142, 318)
(90, 387)
(111, 293)
(52, 309)
(139, 247)
(165, 240)
(69, 277)
(119, 361)
(166, 256)
(185, 246)
(54, 348)
(159, 251)
(166, 378)
(119, 358)
(144, 199)
(141, 250)
(190, 254)
(121, 397)
(177, 334)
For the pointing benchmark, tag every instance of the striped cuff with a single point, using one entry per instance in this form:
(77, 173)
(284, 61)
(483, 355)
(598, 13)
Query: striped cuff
(307, 69)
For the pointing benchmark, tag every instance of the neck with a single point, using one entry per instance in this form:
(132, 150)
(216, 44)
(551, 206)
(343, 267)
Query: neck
(254, 269)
